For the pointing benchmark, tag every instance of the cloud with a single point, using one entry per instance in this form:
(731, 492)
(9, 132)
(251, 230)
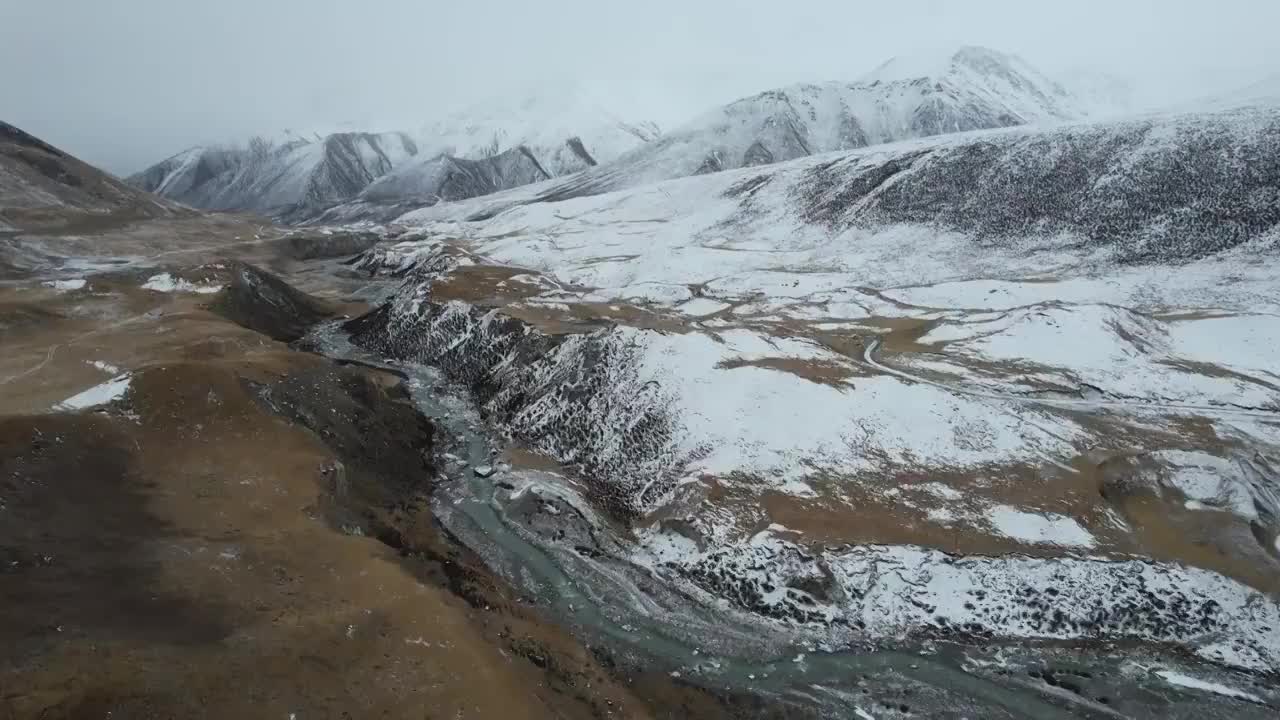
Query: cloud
(124, 84)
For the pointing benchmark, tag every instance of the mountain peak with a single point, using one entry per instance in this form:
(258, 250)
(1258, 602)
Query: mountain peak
(937, 64)
(1001, 77)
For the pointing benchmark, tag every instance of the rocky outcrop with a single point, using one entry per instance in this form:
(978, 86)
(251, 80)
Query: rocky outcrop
(328, 244)
(579, 399)
(262, 302)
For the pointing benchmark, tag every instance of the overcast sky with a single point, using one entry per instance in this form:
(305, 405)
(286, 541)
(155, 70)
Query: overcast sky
(123, 83)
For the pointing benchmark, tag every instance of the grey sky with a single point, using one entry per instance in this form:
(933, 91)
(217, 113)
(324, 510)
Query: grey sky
(124, 83)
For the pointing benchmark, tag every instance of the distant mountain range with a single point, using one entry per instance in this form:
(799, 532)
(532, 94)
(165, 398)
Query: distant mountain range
(271, 179)
(968, 89)
(568, 146)
(481, 150)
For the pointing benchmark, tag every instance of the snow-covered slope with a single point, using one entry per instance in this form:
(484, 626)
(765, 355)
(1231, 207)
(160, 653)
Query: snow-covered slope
(304, 174)
(982, 387)
(565, 132)
(180, 176)
(429, 180)
(1100, 94)
(968, 89)
(973, 89)
(1173, 185)
(1014, 203)
(539, 138)
(1263, 93)
(498, 145)
(444, 178)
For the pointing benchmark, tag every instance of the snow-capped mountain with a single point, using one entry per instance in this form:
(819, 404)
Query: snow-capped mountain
(996, 79)
(1148, 187)
(969, 89)
(566, 132)
(178, 177)
(445, 178)
(482, 149)
(496, 146)
(279, 179)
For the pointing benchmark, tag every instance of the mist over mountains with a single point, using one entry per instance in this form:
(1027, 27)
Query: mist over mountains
(511, 142)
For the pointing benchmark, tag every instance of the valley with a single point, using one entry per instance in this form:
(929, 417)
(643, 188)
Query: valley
(943, 392)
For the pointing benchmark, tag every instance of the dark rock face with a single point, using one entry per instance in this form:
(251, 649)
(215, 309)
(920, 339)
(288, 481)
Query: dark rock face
(445, 178)
(262, 302)
(311, 246)
(346, 170)
(580, 151)
(577, 398)
(757, 154)
(1151, 190)
(440, 179)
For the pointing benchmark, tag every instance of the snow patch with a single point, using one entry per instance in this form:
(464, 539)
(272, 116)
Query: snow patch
(109, 391)
(164, 282)
(1174, 677)
(104, 367)
(65, 285)
(1208, 481)
(1038, 528)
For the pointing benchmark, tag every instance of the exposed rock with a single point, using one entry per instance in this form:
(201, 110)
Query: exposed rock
(312, 246)
(260, 301)
(579, 400)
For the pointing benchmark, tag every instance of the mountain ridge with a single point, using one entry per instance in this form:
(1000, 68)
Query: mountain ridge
(44, 187)
(978, 89)
(569, 136)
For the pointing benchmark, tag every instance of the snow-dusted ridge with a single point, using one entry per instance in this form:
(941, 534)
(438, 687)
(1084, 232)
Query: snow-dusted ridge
(479, 150)
(565, 131)
(966, 89)
(579, 148)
